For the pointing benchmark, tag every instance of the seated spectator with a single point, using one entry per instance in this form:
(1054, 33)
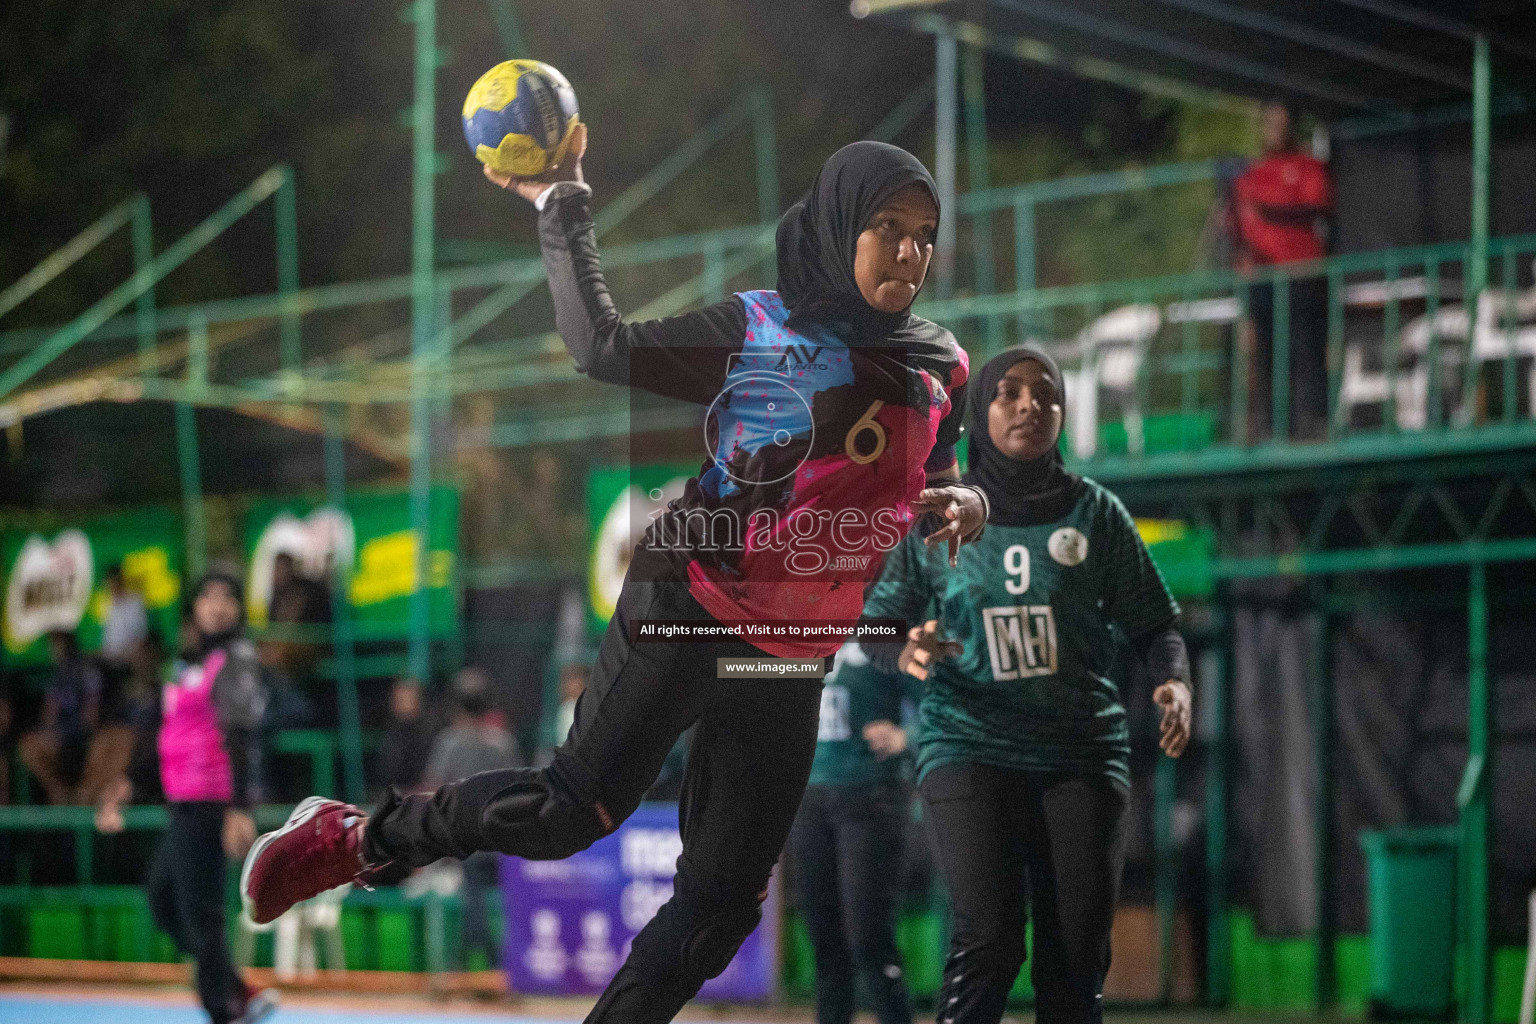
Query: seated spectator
(138, 710)
(55, 752)
(126, 624)
(298, 608)
(297, 598)
(407, 741)
(7, 740)
(474, 742)
(124, 743)
(1278, 215)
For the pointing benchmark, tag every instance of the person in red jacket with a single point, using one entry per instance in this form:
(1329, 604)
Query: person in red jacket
(1279, 211)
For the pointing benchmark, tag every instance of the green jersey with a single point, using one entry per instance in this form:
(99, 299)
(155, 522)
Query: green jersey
(854, 694)
(1036, 608)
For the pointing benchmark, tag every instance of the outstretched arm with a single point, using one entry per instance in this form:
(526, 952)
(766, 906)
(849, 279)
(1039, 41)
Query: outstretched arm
(684, 357)
(1139, 601)
(1163, 654)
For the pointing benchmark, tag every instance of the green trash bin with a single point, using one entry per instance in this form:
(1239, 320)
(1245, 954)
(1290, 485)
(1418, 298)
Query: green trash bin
(1411, 876)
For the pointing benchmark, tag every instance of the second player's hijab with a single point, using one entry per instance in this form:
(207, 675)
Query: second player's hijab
(817, 238)
(1021, 493)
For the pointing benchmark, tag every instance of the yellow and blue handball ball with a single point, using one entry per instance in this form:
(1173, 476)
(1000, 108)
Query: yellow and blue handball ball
(518, 118)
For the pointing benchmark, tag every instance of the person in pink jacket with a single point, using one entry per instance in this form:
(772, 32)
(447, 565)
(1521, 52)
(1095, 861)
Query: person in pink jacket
(209, 745)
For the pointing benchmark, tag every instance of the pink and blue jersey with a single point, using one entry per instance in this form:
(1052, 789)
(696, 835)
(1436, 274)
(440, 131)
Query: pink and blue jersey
(818, 448)
(817, 440)
(211, 714)
(193, 762)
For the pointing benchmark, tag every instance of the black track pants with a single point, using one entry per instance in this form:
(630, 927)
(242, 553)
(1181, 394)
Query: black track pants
(847, 848)
(1008, 841)
(186, 899)
(748, 763)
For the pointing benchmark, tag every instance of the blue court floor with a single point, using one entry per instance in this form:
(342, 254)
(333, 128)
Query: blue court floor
(28, 1009)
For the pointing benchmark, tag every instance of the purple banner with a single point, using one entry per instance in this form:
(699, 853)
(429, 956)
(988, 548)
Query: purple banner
(570, 922)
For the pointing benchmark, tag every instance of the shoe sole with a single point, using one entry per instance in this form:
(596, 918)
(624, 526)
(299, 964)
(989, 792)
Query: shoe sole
(302, 813)
(268, 1008)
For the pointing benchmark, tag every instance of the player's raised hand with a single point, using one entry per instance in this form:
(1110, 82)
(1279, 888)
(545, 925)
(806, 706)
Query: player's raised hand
(925, 645)
(962, 510)
(568, 169)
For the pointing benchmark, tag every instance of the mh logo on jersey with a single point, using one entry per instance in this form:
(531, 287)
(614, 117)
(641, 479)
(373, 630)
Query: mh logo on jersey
(800, 357)
(1021, 640)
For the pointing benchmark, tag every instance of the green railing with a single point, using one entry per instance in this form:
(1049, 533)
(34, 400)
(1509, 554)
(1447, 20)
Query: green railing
(81, 823)
(1403, 358)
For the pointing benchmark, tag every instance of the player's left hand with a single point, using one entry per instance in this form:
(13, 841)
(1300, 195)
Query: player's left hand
(963, 509)
(1177, 704)
(239, 833)
(885, 738)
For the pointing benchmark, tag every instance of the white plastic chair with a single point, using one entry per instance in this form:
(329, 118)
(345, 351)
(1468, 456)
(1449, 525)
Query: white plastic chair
(1494, 340)
(1363, 388)
(1360, 387)
(294, 949)
(1111, 349)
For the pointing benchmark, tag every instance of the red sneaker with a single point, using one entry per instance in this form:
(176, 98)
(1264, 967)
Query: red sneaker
(318, 848)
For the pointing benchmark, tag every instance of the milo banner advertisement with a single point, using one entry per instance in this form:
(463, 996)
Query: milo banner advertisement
(570, 922)
(373, 542)
(621, 502)
(57, 580)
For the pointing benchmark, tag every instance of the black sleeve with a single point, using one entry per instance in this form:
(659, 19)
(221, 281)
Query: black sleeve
(240, 700)
(900, 592)
(684, 357)
(943, 454)
(885, 655)
(1135, 595)
(1301, 215)
(1164, 655)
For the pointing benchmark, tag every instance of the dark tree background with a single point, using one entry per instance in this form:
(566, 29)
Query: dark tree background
(189, 102)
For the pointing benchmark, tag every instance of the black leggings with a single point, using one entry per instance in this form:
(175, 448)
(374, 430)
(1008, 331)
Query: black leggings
(186, 899)
(747, 767)
(1007, 841)
(847, 848)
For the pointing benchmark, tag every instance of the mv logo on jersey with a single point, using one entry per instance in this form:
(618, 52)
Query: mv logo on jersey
(1021, 641)
(800, 357)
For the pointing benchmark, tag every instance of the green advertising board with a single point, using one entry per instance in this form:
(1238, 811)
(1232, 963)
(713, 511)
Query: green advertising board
(373, 539)
(57, 580)
(621, 501)
(1183, 554)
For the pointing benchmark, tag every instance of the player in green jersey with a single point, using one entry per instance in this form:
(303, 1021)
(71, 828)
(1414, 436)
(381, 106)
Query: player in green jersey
(848, 839)
(1023, 747)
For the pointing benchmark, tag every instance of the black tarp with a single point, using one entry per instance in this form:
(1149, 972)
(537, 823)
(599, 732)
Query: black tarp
(1414, 187)
(1400, 720)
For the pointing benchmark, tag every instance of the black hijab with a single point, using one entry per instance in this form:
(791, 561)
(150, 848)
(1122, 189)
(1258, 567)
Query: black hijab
(1022, 493)
(817, 238)
(207, 643)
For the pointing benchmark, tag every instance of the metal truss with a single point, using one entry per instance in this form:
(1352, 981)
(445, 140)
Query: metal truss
(1371, 517)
